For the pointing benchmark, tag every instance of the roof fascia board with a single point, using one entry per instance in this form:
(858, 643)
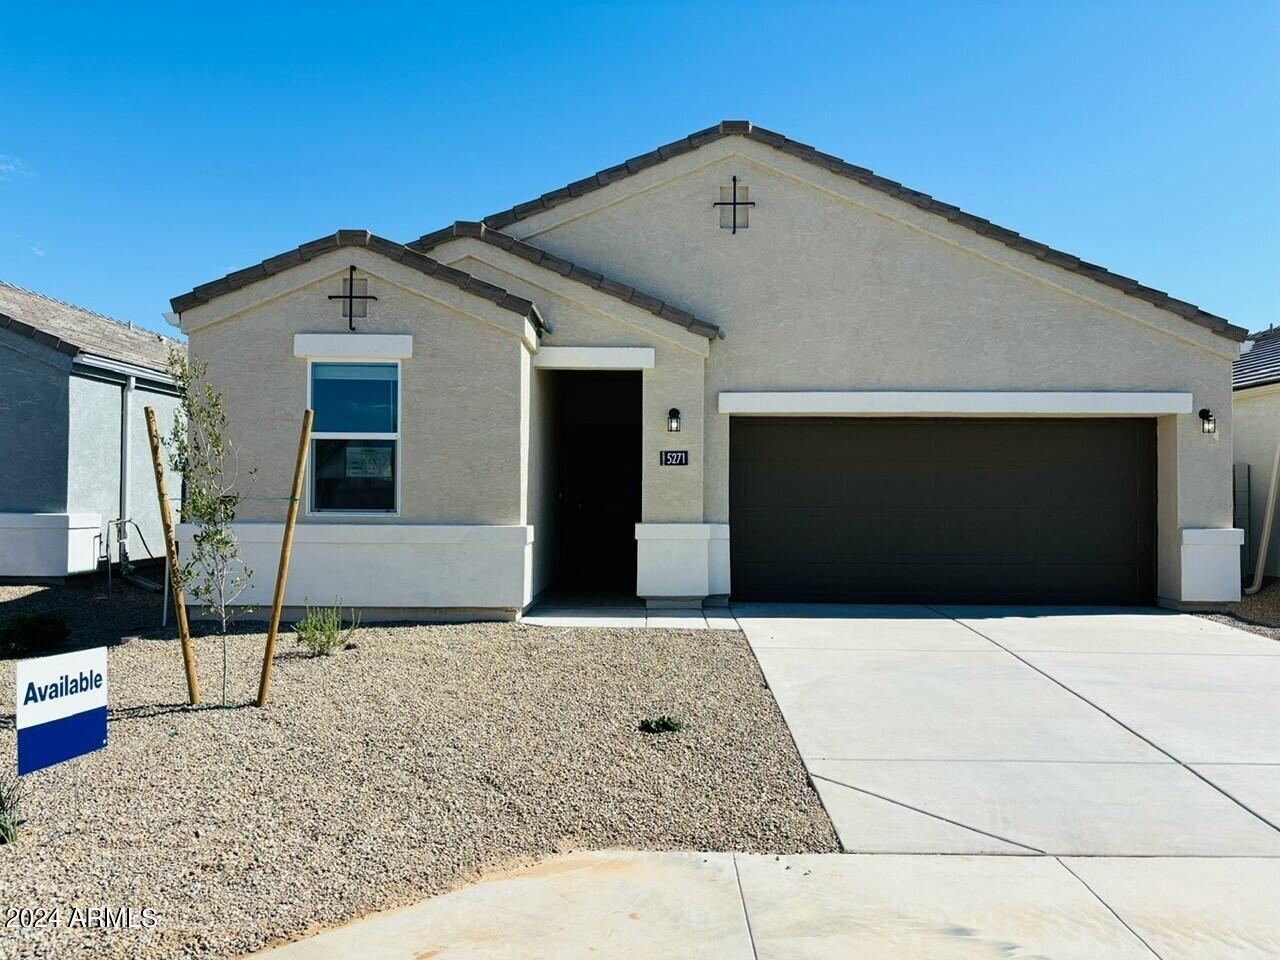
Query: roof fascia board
(890, 208)
(597, 304)
(128, 369)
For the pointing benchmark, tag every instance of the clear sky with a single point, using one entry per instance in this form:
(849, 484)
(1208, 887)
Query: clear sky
(149, 149)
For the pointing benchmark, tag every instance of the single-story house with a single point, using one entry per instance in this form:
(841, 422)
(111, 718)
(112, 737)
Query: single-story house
(1256, 413)
(74, 452)
(733, 366)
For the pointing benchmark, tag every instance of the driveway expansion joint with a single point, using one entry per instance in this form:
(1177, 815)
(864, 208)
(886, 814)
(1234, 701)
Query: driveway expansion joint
(1110, 909)
(926, 813)
(1185, 766)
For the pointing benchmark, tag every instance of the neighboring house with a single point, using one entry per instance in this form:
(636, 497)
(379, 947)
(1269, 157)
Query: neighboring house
(878, 397)
(1256, 412)
(74, 454)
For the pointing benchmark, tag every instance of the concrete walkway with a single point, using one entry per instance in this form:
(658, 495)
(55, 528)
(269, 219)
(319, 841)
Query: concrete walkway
(637, 906)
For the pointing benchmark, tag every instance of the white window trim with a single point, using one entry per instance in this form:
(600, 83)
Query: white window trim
(311, 510)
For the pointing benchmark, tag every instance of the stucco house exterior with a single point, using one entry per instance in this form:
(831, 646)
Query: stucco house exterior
(1256, 414)
(731, 367)
(74, 452)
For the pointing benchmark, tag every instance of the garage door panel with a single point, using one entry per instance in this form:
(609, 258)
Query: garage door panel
(987, 536)
(881, 537)
(791, 536)
(981, 510)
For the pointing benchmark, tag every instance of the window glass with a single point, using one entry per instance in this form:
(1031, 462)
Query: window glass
(354, 475)
(354, 397)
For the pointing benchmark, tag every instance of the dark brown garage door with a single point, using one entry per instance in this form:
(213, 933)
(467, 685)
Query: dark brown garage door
(962, 511)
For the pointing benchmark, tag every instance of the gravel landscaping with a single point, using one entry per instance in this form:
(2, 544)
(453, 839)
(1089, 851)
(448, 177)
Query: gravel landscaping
(1259, 613)
(384, 774)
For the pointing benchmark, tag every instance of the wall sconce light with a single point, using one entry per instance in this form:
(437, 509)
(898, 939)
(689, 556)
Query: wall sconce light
(1208, 423)
(673, 420)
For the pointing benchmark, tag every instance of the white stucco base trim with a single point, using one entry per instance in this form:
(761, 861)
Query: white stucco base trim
(1211, 564)
(681, 561)
(401, 566)
(48, 544)
(1093, 403)
(595, 358)
(353, 346)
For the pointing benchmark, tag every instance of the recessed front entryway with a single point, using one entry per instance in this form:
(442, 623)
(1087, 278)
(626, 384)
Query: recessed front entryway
(942, 510)
(592, 468)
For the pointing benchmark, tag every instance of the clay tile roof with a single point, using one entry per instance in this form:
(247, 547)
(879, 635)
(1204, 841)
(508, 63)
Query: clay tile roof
(1261, 365)
(414, 259)
(744, 128)
(74, 330)
(526, 251)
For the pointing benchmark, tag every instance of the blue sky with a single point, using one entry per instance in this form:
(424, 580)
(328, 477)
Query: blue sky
(149, 149)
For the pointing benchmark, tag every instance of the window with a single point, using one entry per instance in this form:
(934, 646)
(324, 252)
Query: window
(355, 437)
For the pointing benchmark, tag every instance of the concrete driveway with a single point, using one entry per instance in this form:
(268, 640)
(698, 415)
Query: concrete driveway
(1069, 731)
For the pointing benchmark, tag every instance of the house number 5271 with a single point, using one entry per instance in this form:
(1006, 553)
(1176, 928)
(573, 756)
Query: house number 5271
(673, 458)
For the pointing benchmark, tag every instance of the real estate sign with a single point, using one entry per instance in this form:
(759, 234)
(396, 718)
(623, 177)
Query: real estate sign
(61, 707)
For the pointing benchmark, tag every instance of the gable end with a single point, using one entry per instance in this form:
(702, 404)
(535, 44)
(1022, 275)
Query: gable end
(868, 178)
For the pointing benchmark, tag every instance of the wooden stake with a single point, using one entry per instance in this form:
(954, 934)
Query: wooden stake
(171, 546)
(286, 551)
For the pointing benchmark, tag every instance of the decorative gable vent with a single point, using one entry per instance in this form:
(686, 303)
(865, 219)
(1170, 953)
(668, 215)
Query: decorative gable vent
(735, 206)
(356, 306)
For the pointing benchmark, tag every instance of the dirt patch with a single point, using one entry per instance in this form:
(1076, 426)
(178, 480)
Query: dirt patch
(384, 774)
(1259, 613)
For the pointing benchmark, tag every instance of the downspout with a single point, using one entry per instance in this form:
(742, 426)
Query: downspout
(1269, 515)
(126, 415)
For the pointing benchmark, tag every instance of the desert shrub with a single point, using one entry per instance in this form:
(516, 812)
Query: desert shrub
(321, 630)
(661, 724)
(10, 808)
(33, 634)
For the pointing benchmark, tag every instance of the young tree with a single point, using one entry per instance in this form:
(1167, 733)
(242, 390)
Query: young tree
(213, 573)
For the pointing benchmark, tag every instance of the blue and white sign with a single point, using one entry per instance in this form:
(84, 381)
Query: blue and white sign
(62, 707)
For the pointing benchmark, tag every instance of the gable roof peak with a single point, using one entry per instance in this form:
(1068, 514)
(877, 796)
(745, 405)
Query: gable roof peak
(868, 178)
(526, 251)
(398, 252)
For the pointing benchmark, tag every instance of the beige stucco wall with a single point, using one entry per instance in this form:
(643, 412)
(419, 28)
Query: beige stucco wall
(1257, 431)
(463, 393)
(837, 287)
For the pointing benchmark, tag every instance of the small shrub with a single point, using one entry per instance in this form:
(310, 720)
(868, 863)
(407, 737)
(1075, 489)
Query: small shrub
(10, 808)
(33, 634)
(321, 630)
(662, 724)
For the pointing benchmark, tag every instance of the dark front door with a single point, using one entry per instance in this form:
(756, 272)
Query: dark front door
(943, 510)
(599, 480)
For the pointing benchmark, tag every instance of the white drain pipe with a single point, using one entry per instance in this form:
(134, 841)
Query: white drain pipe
(1269, 516)
(126, 414)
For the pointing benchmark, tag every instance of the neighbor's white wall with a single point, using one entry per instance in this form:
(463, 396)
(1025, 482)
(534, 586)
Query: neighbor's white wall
(48, 544)
(1257, 431)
